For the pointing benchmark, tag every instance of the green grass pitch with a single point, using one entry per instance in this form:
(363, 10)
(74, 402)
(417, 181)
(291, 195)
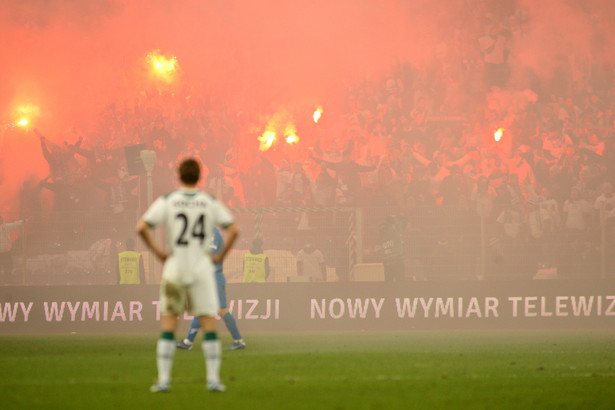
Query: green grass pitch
(414, 370)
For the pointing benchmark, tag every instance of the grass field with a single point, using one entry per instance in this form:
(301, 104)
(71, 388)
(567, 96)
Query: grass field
(528, 369)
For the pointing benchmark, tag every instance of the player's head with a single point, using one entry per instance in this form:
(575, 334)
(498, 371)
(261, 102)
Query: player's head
(189, 171)
(130, 244)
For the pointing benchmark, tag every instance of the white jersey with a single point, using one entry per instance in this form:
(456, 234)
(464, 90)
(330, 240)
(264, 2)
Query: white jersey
(188, 217)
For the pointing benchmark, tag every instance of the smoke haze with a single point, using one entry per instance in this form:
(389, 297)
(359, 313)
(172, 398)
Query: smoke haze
(70, 58)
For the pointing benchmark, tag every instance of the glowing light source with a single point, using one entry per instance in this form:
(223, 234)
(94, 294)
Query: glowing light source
(317, 114)
(266, 140)
(280, 127)
(162, 67)
(498, 134)
(290, 132)
(25, 114)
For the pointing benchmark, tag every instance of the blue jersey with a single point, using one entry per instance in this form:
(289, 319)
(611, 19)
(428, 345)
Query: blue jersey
(216, 246)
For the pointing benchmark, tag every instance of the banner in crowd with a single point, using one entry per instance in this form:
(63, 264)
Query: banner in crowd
(349, 306)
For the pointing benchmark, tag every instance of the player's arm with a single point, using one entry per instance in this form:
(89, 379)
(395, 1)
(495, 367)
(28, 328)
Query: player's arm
(231, 233)
(145, 233)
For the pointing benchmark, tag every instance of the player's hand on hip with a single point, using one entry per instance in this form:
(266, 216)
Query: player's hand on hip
(161, 255)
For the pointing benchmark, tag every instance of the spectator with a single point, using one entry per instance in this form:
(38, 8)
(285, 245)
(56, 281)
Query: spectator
(510, 220)
(311, 263)
(301, 186)
(6, 245)
(495, 53)
(130, 268)
(259, 183)
(605, 210)
(392, 246)
(540, 225)
(284, 176)
(62, 164)
(219, 185)
(256, 263)
(576, 215)
(347, 172)
(324, 188)
(482, 197)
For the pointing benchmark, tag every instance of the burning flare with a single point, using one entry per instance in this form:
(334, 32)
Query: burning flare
(317, 114)
(279, 127)
(266, 140)
(25, 114)
(161, 66)
(290, 132)
(498, 134)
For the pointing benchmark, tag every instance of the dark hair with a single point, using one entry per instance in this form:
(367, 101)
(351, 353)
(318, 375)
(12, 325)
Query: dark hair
(257, 245)
(130, 243)
(189, 171)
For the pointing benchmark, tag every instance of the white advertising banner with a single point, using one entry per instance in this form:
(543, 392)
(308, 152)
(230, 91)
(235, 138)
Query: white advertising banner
(369, 306)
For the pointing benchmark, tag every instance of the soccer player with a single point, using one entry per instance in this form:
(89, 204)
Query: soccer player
(188, 217)
(224, 313)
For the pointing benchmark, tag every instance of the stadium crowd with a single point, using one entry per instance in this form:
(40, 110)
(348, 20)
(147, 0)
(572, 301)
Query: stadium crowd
(476, 153)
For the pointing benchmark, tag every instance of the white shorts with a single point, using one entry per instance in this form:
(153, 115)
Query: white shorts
(199, 297)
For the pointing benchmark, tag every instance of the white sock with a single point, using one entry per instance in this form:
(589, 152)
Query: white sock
(165, 350)
(213, 357)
